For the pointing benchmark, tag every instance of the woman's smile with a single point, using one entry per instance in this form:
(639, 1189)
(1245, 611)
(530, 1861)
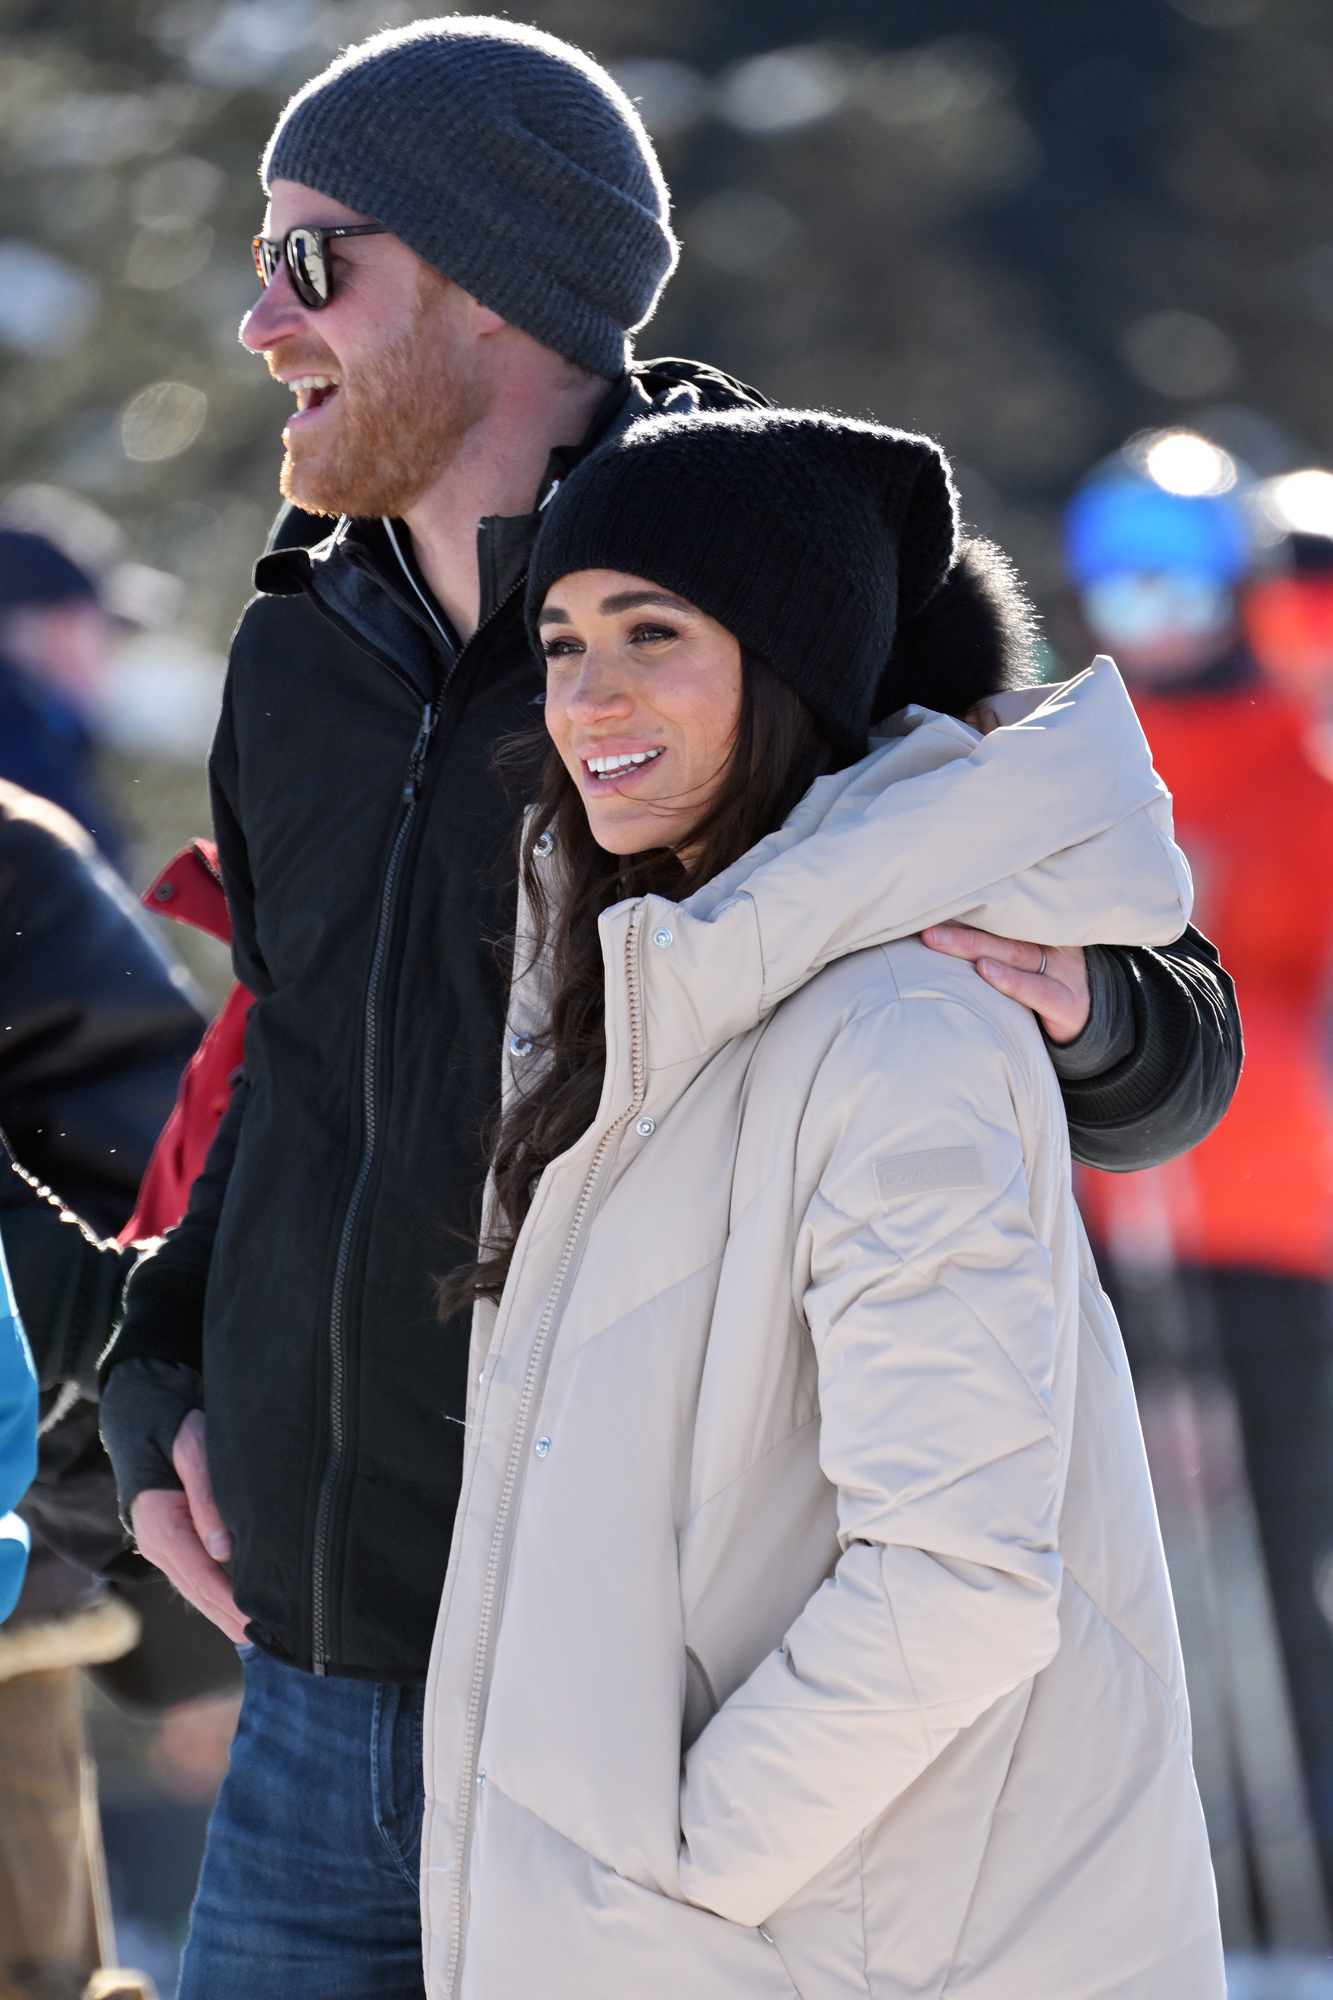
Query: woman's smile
(612, 766)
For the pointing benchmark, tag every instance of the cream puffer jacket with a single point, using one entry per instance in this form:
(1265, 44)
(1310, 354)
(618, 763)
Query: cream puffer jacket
(807, 1630)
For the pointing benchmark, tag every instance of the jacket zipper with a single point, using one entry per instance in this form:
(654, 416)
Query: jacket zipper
(321, 1651)
(333, 1468)
(534, 1376)
(320, 1646)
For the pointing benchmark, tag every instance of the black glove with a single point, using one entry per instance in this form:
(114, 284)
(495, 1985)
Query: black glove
(144, 1404)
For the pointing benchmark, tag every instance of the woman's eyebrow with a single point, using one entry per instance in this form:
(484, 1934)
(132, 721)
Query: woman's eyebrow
(630, 600)
(622, 600)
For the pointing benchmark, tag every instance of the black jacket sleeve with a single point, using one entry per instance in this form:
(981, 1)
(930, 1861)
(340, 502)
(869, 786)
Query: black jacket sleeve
(1182, 1066)
(163, 1317)
(144, 1406)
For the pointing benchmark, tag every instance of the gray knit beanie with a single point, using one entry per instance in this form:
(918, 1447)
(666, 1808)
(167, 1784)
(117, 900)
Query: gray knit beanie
(508, 160)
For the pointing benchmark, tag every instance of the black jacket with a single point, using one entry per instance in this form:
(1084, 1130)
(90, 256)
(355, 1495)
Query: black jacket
(366, 844)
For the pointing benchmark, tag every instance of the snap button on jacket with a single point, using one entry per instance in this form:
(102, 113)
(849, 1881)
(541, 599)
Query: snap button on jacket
(831, 1654)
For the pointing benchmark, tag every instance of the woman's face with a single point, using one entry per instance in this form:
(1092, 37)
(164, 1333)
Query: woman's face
(643, 693)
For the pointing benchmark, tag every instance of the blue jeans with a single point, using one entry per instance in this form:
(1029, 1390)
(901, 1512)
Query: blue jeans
(309, 1887)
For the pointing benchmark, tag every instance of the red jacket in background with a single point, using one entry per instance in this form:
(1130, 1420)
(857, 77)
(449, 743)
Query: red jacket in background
(1254, 813)
(190, 890)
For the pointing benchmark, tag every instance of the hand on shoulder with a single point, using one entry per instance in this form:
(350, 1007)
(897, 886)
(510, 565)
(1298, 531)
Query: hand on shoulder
(1052, 980)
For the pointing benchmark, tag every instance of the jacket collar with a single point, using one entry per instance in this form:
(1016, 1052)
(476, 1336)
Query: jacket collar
(189, 889)
(1052, 826)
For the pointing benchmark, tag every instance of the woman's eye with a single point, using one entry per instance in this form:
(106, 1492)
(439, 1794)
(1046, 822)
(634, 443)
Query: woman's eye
(647, 635)
(559, 649)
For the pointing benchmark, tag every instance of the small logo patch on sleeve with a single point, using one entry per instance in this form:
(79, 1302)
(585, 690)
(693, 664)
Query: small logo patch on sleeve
(921, 1173)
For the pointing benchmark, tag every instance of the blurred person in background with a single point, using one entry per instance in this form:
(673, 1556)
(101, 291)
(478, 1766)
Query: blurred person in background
(1226, 1253)
(1287, 601)
(97, 1026)
(466, 225)
(55, 654)
(71, 1280)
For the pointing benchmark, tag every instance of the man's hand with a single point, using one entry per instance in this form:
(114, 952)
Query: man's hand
(1057, 995)
(182, 1534)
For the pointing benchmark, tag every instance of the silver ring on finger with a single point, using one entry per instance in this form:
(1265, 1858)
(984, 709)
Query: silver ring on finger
(1042, 963)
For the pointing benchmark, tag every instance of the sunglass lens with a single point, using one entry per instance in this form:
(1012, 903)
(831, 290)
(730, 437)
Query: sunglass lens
(308, 266)
(265, 257)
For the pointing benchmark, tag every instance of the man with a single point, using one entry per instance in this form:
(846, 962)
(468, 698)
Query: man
(466, 225)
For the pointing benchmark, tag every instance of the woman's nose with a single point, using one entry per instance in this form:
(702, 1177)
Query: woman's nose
(600, 690)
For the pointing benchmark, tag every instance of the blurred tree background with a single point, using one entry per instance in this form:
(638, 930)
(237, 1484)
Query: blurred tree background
(1029, 231)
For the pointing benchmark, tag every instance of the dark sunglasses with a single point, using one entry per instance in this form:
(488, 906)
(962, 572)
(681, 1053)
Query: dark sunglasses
(302, 250)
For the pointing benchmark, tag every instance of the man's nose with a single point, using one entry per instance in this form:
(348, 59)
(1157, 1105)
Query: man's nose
(276, 313)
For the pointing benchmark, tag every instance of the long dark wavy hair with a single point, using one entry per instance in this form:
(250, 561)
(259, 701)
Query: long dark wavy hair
(974, 638)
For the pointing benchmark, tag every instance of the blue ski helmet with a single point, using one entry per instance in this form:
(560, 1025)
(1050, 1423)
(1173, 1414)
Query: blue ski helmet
(1169, 503)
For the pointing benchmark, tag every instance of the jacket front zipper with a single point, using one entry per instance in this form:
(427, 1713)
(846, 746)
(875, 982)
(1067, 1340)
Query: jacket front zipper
(533, 1380)
(320, 1649)
(330, 1484)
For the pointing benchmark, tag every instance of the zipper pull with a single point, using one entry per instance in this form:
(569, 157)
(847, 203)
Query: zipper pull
(412, 784)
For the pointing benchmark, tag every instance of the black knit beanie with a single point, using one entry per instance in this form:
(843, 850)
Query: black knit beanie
(508, 160)
(808, 536)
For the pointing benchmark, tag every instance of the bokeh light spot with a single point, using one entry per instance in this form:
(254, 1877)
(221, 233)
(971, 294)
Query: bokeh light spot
(179, 190)
(1183, 462)
(671, 95)
(784, 89)
(166, 255)
(45, 304)
(1181, 354)
(162, 421)
(741, 229)
(1302, 502)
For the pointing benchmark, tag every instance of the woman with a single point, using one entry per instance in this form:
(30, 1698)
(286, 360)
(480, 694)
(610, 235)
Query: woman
(806, 1629)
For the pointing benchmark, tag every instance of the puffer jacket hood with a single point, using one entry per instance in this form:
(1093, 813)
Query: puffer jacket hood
(1020, 832)
(807, 1629)
(1051, 826)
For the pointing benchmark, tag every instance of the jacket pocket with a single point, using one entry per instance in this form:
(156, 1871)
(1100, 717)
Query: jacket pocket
(701, 1705)
(545, 1917)
(820, 1934)
(701, 1702)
